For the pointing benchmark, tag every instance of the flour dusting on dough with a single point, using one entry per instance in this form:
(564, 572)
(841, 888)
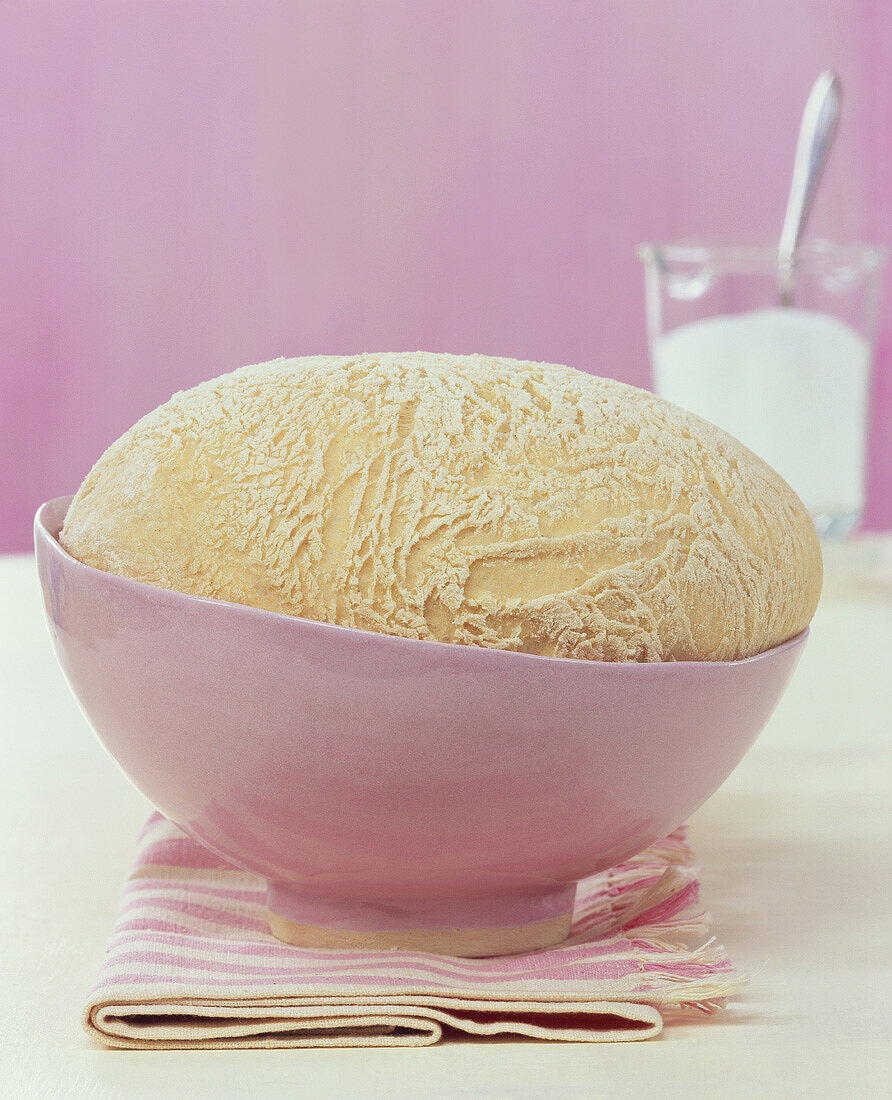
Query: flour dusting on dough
(488, 502)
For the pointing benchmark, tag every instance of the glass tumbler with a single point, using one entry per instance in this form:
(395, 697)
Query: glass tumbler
(790, 382)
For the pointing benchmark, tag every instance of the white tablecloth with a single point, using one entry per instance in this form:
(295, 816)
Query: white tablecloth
(798, 875)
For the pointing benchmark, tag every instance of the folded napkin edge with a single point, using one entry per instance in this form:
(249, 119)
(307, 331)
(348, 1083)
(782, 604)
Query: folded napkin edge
(119, 1025)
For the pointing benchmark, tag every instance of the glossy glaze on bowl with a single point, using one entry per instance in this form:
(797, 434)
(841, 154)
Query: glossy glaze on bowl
(386, 786)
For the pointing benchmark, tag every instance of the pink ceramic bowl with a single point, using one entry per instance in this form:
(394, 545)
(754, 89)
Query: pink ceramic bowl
(391, 791)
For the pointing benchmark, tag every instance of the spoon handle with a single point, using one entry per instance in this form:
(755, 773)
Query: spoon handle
(819, 121)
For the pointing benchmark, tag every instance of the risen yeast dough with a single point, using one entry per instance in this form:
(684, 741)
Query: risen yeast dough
(489, 502)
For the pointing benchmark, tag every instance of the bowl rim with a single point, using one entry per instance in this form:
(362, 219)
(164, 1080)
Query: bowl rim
(356, 635)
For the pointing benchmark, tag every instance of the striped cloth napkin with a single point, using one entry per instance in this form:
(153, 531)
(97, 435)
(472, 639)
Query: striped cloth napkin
(191, 963)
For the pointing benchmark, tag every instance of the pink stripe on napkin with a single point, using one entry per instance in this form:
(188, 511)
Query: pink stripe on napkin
(191, 963)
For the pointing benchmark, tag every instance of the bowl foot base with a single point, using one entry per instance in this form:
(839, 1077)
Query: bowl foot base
(466, 927)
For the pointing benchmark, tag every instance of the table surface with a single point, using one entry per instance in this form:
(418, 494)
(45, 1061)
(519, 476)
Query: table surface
(797, 872)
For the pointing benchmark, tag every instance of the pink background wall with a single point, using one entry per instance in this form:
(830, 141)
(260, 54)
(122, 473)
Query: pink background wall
(188, 187)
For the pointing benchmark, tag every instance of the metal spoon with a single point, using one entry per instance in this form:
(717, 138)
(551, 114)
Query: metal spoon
(815, 138)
